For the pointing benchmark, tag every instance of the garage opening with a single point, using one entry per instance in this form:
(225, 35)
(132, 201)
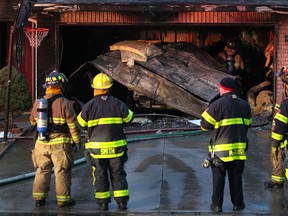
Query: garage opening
(254, 45)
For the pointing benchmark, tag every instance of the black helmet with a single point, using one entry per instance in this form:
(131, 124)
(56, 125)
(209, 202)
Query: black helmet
(231, 43)
(54, 79)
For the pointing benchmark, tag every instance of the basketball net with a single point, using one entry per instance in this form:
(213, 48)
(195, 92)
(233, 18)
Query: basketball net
(36, 35)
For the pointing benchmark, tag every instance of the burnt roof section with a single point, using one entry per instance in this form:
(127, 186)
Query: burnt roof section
(273, 6)
(153, 2)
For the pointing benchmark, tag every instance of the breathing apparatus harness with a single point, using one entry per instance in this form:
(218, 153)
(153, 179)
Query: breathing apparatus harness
(45, 124)
(230, 61)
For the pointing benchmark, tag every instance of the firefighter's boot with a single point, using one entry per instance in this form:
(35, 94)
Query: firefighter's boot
(122, 206)
(39, 203)
(285, 204)
(67, 203)
(103, 206)
(271, 184)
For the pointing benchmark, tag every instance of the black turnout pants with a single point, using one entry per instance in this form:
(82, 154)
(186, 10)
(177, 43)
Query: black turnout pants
(110, 171)
(235, 171)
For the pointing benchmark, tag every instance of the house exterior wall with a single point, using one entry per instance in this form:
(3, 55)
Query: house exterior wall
(281, 51)
(47, 56)
(134, 18)
(93, 17)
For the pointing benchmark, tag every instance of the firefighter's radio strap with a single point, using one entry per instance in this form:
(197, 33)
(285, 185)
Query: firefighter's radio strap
(52, 127)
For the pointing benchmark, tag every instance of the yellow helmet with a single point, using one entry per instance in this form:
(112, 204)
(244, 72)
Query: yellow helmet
(101, 81)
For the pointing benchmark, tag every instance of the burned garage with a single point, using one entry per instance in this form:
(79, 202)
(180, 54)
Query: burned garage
(197, 43)
(167, 60)
(193, 68)
(208, 44)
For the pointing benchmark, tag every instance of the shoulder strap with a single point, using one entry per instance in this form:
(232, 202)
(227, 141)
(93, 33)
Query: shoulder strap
(50, 102)
(51, 126)
(54, 97)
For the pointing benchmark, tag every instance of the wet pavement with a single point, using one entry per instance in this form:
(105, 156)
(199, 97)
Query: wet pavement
(164, 173)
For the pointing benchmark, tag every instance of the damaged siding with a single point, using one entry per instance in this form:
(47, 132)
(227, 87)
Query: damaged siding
(224, 17)
(94, 17)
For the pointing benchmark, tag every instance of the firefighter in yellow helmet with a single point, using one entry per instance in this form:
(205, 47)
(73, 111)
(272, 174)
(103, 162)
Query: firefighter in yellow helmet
(58, 136)
(106, 146)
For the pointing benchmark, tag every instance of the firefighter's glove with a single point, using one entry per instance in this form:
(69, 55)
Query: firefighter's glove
(274, 152)
(76, 147)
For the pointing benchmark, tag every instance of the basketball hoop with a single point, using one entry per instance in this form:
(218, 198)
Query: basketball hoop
(36, 35)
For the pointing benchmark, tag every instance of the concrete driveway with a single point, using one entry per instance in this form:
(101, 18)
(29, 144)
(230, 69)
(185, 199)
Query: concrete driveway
(165, 177)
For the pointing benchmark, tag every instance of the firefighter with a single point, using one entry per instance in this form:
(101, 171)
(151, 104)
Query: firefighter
(279, 137)
(54, 147)
(233, 61)
(106, 146)
(228, 118)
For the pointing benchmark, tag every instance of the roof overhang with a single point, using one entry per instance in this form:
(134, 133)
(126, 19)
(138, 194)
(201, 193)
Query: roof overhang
(56, 6)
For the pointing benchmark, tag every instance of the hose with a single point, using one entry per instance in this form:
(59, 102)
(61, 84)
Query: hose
(30, 175)
(21, 137)
(129, 140)
(161, 135)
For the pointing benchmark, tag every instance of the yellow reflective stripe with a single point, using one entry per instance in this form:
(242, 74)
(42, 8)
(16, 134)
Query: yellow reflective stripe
(81, 121)
(63, 198)
(276, 136)
(95, 156)
(93, 175)
(226, 122)
(104, 121)
(39, 195)
(277, 106)
(281, 118)
(59, 120)
(76, 139)
(227, 147)
(283, 144)
(56, 141)
(129, 117)
(102, 195)
(208, 118)
(278, 178)
(232, 121)
(226, 159)
(110, 144)
(203, 129)
(247, 122)
(121, 193)
(71, 125)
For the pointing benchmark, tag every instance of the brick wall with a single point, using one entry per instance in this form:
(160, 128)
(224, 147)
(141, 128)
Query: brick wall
(281, 49)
